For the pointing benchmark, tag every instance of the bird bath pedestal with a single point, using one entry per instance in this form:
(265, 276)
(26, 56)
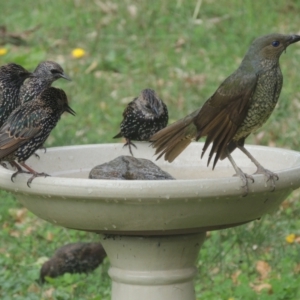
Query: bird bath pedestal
(152, 230)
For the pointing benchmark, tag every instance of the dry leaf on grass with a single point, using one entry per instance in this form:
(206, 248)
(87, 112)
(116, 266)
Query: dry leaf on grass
(263, 268)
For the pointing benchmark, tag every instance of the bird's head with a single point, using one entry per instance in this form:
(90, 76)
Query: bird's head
(50, 71)
(14, 73)
(57, 100)
(150, 103)
(271, 46)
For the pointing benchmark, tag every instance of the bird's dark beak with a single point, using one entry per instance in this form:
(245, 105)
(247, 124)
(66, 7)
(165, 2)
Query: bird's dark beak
(63, 75)
(70, 110)
(294, 38)
(155, 110)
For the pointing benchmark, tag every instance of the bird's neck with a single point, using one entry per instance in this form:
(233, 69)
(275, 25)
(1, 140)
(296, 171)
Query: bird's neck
(259, 64)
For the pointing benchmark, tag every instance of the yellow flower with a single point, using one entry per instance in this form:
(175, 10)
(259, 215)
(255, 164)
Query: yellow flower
(3, 51)
(230, 298)
(78, 53)
(290, 238)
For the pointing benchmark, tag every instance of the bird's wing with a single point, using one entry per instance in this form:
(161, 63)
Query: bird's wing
(223, 113)
(18, 129)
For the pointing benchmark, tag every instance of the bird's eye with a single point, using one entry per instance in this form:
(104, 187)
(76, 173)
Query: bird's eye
(275, 43)
(54, 71)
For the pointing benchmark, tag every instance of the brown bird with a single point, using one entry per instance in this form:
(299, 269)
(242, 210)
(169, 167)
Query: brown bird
(142, 117)
(73, 258)
(241, 105)
(28, 126)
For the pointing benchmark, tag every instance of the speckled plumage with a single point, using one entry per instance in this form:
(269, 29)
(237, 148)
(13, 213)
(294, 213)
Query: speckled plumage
(12, 77)
(241, 104)
(73, 258)
(42, 77)
(143, 117)
(29, 125)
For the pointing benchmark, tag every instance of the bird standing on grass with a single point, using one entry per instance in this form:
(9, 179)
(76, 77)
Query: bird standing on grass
(241, 105)
(142, 117)
(42, 77)
(28, 126)
(12, 77)
(73, 258)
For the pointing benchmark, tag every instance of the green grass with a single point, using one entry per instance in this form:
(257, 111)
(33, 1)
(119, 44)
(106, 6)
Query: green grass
(132, 45)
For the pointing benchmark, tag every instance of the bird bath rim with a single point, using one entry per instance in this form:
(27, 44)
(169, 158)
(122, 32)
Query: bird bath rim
(151, 207)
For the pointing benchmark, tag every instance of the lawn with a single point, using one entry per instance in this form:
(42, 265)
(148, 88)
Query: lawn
(183, 50)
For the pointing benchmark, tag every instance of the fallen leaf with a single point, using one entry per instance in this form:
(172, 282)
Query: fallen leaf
(263, 268)
(235, 276)
(259, 287)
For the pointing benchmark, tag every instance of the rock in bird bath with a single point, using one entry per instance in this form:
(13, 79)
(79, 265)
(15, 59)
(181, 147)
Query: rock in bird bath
(129, 168)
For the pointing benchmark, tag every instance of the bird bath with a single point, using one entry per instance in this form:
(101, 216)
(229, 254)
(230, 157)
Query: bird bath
(152, 230)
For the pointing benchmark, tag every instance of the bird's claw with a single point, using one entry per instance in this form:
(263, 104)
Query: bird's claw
(129, 144)
(16, 173)
(270, 176)
(36, 155)
(34, 176)
(244, 178)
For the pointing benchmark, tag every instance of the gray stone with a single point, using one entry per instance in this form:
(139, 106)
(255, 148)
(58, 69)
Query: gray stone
(129, 168)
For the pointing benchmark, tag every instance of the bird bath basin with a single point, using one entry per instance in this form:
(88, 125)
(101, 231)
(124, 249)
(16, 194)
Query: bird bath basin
(152, 230)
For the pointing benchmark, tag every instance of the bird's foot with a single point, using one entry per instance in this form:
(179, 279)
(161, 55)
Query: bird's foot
(244, 178)
(270, 176)
(4, 165)
(34, 175)
(129, 144)
(20, 171)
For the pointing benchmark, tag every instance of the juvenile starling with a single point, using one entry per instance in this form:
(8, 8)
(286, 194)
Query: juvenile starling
(29, 125)
(242, 104)
(12, 77)
(143, 117)
(73, 258)
(42, 77)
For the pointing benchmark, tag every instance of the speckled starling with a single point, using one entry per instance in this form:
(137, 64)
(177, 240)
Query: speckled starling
(29, 125)
(12, 77)
(73, 258)
(242, 104)
(42, 77)
(143, 117)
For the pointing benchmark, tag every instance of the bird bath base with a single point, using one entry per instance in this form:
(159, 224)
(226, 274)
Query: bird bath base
(152, 230)
(153, 267)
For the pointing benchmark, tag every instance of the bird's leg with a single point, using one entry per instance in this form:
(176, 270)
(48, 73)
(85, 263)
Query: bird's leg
(243, 176)
(129, 144)
(260, 169)
(34, 173)
(19, 170)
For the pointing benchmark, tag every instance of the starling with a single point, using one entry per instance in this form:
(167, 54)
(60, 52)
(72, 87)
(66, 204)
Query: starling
(28, 126)
(42, 77)
(12, 77)
(73, 258)
(241, 104)
(143, 117)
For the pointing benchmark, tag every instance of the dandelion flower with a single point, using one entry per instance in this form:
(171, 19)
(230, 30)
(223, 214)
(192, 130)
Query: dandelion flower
(3, 51)
(78, 53)
(290, 238)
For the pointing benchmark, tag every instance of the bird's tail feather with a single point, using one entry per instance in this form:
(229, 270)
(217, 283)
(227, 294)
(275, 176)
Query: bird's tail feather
(172, 140)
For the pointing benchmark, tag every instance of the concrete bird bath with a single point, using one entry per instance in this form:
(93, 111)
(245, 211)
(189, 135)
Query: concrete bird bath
(152, 230)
